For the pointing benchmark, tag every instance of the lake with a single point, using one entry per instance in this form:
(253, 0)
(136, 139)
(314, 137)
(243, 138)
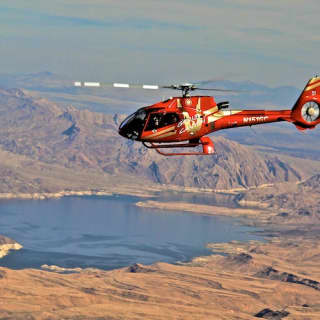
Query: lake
(108, 232)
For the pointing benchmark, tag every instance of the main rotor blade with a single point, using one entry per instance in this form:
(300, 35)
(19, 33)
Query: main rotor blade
(115, 85)
(219, 90)
(181, 87)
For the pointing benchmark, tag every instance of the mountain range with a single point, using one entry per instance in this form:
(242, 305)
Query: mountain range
(277, 137)
(45, 147)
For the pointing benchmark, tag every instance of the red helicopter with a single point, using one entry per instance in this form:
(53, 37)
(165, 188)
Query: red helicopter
(185, 122)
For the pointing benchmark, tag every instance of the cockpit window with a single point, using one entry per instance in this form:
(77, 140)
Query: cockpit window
(160, 120)
(133, 125)
(126, 120)
(141, 114)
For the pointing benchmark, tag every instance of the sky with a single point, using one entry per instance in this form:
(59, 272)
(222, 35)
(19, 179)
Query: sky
(273, 42)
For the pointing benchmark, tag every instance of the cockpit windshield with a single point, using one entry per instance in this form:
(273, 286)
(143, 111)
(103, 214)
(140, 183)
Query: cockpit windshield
(133, 125)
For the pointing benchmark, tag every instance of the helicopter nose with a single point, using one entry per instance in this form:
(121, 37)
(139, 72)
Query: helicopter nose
(126, 131)
(132, 126)
(122, 131)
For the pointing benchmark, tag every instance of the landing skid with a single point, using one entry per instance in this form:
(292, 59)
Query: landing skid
(207, 147)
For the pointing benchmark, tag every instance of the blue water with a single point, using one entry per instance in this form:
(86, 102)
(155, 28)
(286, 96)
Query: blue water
(107, 233)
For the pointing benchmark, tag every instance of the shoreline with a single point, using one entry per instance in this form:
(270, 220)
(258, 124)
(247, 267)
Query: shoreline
(7, 244)
(61, 194)
(6, 248)
(133, 190)
(245, 208)
(212, 210)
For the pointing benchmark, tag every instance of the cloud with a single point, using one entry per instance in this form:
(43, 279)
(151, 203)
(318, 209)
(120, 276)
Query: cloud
(22, 17)
(262, 31)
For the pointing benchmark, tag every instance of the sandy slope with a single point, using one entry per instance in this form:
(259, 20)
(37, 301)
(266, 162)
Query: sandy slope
(233, 287)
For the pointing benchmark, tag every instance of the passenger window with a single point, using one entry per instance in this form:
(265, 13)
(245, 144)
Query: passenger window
(160, 120)
(169, 118)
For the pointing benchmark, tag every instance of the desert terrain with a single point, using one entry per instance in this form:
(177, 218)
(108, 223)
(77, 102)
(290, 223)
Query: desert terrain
(277, 279)
(48, 150)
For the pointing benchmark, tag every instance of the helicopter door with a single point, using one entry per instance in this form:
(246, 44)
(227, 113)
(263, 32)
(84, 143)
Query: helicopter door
(161, 120)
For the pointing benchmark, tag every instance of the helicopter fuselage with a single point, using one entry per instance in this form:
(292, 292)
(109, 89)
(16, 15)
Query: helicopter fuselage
(184, 119)
(189, 119)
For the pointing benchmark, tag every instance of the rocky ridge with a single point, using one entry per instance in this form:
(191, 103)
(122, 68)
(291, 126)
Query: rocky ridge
(291, 203)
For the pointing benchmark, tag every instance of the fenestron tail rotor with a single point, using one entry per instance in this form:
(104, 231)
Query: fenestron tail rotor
(310, 111)
(185, 88)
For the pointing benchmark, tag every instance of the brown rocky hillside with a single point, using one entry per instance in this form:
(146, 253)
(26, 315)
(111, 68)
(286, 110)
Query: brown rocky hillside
(291, 203)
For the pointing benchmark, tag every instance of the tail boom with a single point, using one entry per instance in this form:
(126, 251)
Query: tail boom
(241, 118)
(305, 114)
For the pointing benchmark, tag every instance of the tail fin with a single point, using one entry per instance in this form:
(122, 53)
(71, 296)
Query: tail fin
(305, 114)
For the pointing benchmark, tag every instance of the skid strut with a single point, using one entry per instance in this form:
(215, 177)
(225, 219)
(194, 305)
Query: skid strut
(207, 147)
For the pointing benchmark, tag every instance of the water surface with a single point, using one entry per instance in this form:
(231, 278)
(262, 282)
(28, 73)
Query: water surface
(108, 232)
